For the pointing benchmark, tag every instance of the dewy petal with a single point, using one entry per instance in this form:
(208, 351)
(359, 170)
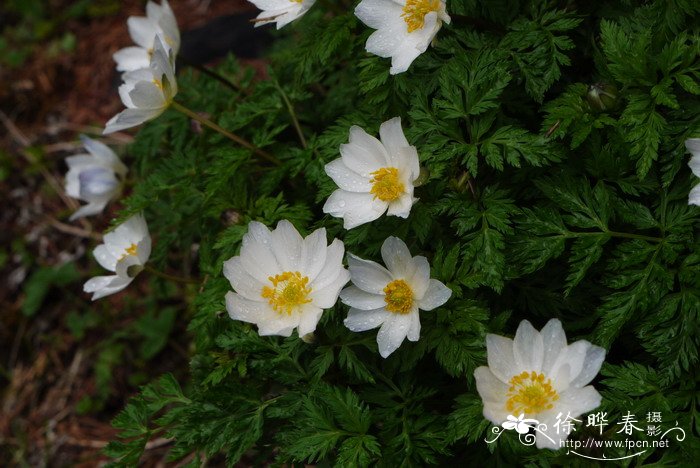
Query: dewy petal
(310, 315)
(402, 206)
(419, 278)
(333, 267)
(243, 283)
(414, 327)
(392, 333)
(104, 257)
(376, 13)
(595, 355)
(286, 245)
(490, 388)
(354, 208)
(499, 352)
(268, 321)
(578, 401)
(347, 179)
(392, 136)
(397, 257)
(327, 296)
(313, 254)
(554, 343)
(436, 295)
(364, 153)
(576, 356)
(367, 275)
(363, 320)
(528, 348)
(359, 299)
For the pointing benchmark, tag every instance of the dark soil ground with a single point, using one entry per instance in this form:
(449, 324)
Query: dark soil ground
(59, 388)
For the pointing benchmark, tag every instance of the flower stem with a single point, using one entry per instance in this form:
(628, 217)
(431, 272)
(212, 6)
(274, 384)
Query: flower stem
(212, 74)
(166, 276)
(292, 114)
(244, 143)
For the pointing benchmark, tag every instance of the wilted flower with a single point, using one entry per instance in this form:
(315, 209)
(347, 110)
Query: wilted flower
(283, 281)
(146, 92)
(159, 20)
(95, 178)
(373, 177)
(693, 145)
(282, 12)
(537, 375)
(391, 297)
(404, 28)
(125, 251)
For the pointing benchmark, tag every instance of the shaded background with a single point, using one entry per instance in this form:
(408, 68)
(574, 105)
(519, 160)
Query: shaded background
(67, 365)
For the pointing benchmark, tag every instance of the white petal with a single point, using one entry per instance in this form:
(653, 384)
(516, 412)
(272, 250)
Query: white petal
(286, 245)
(130, 118)
(142, 31)
(327, 296)
(310, 315)
(407, 159)
(392, 333)
(347, 179)
(595, 355)
(359, 299)
(131, 58)
(578, 401)
(528, 347)
(147, 95)
(103, 286)
(401, 207)
(554, 343)
(414, 327)
(693, 146)
(364, 154)
(436, 295)
(367, 275)
(419, 278)
(104, 257)
(333, 267)
(354, 208)
(268, 321)
(397, 257)
(242, 282)
(557, 436)
(694, 196)
(376, 13)
(363, 320)
(490, 388)
(313, 254)
(392, 136)
(88, 210)
(500, 357)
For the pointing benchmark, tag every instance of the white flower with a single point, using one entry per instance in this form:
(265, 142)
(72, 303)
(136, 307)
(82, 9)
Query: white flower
(392, 296)
(283, 281)
(282, 12)
(125, 251)
(693, 145)
(373, 177)
(146, 92)
(404, 28)
(159, 20)
(95, 178)
(537, 375)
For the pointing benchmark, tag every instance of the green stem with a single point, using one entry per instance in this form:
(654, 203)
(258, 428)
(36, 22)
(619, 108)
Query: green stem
(293, 114)
(244, 143)
(212, 74)
(168, 277)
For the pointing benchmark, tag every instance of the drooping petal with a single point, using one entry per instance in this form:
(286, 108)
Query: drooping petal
(392, 333)
(129, 118)
(103, 286)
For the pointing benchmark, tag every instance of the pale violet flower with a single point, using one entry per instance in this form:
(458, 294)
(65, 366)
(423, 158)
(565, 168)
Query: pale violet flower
(538, 376)
(374, 177)
(283, 281)
(159, 20)
(281, 12)
(404, 28)
(125, 251)
(95, 178)
(693, 145)
(391, 297)
(146, 92)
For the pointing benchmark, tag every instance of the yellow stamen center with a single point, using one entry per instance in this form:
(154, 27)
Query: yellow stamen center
(386, 184)
(399, 297)
(530, 393)
(131, 250)
(415, 10)
(288, 291)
